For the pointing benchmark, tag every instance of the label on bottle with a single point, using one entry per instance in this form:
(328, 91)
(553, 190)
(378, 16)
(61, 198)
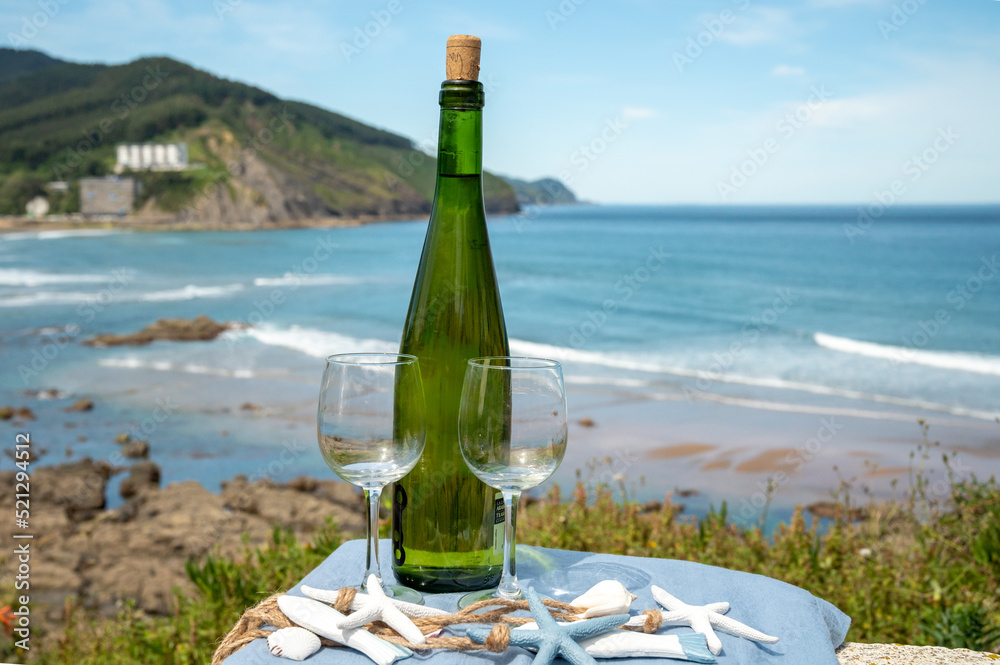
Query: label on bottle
(398, 503)
(499, 521)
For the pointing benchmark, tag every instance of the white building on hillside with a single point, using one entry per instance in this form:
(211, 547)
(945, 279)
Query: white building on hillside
(152, 156)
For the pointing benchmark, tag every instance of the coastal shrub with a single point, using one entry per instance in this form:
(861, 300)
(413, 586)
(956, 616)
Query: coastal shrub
(963, 626)
(920, 569)
(225, 588)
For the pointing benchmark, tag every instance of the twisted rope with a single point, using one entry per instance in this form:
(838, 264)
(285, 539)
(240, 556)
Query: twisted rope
(251, 625)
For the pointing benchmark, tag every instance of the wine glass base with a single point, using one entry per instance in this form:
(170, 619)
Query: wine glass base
(405, 594)
(485, 594)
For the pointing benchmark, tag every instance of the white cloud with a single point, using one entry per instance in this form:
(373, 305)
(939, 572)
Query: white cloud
(788, 70)
(638, 112)
(843, 3)
(759, 25)
(853, 111)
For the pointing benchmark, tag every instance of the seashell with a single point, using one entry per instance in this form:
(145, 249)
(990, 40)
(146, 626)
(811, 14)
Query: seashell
(604, 598)
(324, 620)
(293, 643)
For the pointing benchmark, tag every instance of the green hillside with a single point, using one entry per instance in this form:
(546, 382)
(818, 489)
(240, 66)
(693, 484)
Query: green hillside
(547, 191)
(264, 159)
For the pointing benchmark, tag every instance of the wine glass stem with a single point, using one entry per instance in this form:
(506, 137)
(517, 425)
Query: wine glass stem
(509, 588)
(372, 564)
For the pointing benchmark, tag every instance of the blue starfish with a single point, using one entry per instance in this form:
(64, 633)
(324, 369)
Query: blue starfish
(552, 639)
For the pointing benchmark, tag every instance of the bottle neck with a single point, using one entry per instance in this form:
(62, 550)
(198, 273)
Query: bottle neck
(460, 137)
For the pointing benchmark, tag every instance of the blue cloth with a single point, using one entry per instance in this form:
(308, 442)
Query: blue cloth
(810, 628)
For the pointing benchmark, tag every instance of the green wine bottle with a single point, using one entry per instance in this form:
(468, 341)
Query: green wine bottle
(447, 525)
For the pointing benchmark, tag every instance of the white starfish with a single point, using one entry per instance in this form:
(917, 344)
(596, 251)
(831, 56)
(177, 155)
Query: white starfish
(375, 606)
(362, 601)
(702, 618)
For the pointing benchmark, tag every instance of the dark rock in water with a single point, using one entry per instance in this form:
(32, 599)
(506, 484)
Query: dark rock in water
(142, 476)
(651, 507)
(831, 510)
(124, 437)
(46, 393)
(250, 406)
(8, 412)
(136, 449)
(198, 329)
(82, 405)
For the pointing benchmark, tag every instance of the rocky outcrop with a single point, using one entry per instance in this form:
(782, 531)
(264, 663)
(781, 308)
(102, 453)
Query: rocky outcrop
(101, 557)
(199, 329)
(142, 477)
(22, 412)
(852, 653)
(136, 449)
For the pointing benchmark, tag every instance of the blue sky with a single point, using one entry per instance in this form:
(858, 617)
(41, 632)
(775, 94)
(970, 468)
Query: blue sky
(639, 101)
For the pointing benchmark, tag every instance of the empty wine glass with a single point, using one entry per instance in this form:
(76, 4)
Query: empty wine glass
(512, 432)
(369, 435)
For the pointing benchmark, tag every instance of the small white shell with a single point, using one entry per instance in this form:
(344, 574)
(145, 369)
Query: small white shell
(605, 598)
(293, 643)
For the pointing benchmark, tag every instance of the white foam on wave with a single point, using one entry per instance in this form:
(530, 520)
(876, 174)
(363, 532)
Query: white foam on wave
(314, 342)
(56, 235)
(954, 360)
(166, 366)
(321, 343)
(18, 277)
(292, 279)
(521, 347)
(189, 292)
(785, 407)
(49, 298)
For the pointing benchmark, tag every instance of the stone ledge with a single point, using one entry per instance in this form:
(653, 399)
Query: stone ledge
(891, 654)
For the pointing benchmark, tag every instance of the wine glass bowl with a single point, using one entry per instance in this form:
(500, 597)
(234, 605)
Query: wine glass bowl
(512, 434)
(368, 435)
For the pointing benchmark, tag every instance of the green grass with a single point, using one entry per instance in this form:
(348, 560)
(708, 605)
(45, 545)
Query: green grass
(920, 569)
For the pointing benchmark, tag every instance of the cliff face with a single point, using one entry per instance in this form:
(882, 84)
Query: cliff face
(254, 157)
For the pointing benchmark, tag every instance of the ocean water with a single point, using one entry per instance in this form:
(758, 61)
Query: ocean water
(769, 309)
